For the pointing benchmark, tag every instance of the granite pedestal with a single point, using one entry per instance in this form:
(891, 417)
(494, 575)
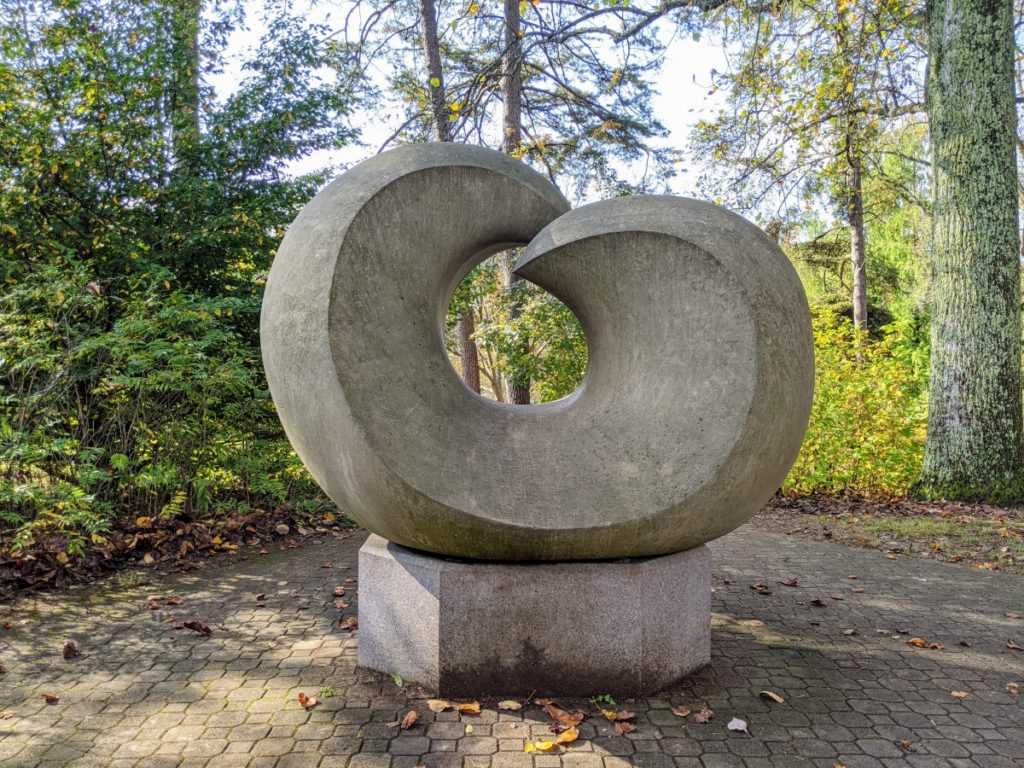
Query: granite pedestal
(465, 628)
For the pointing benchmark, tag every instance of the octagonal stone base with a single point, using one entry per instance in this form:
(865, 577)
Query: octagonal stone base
(470, 628)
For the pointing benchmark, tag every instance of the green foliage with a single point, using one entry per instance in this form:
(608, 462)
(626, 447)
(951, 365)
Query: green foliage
(520, 332)
(866, 433)
(139, 217)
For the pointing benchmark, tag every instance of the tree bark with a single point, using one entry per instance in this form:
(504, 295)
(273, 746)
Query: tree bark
(974, 444)
(442, 128)
(435, 72)
(858, 259)
(512, 126)
(468, 352)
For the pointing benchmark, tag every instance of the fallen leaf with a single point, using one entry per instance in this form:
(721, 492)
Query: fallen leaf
(740, 726)
(349, 623)
(853, 576)
(1013, 688)
(703, 716)
(790, 583)
(936, 646)
(438, 705)
(857, 590)
(761, 588)
(50, 698)
(510, 704)
(71, 650)
(173, 600)
(959, 694)
(469, 727)
(1013, 615)
(890, 556)
(773, 696)
(260, 597)
(539, 746)
(198, 626)
(3, 669)
(341, 605)
(623, 728)
(543, 702)
(568, 736)
(754, 623)
(6, 714)
(659, 735)
(469, 708)
(907, 745)
(350, 581)
(307, 702)
(681, 711)
(563, 717)
(917, 642)
(1013, 646)
(410, 719)
(837, 597)
(338, 591)
(282, 529)
(818, 602)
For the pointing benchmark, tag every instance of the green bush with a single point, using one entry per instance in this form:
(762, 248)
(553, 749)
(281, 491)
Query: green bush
(867, 427)
(164, 413)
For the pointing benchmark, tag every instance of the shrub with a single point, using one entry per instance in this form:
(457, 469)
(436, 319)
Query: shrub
(867, 426)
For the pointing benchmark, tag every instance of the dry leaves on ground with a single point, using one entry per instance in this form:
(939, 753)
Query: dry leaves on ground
(465, 708)
(407, 722)
(307, 702)
(349, 623)
(50, 698)
(761, 588)
(563, 717)
(71, 650)
(623, 728)
(510, 704)
(773, 696)
(681, 711)
(920, 642)
(704, 716)
(197, 626)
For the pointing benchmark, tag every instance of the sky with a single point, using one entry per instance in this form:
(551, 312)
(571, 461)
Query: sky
(682, 84)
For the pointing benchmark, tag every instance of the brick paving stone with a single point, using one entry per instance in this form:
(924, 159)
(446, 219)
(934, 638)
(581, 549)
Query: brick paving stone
(145, 695)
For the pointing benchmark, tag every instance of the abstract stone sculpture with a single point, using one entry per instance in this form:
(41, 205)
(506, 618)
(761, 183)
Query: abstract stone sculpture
(693, 407)
(695, 401)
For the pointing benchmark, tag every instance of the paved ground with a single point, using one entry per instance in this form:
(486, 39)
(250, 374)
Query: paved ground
(145, 694)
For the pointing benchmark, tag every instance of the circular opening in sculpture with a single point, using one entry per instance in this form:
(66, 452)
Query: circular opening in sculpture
(510, 340)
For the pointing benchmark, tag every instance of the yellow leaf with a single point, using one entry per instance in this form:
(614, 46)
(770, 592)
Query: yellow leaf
(438, 705)
(509, 704)
(568, 736)
(143, 522)
(62, 558)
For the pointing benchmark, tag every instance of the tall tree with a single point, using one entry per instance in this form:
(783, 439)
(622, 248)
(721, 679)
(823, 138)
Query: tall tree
(975, 444)
(512, 136)
(813, 88)
(468, 353)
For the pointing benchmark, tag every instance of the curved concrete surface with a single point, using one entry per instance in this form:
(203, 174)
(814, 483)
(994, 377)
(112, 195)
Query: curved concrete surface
(694, 404)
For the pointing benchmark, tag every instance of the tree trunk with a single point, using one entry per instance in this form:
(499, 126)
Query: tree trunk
(435, 72)
(468, 352)
(442, 128)
(185, 102)
(974, 445)
(857, 254)
(512, 125)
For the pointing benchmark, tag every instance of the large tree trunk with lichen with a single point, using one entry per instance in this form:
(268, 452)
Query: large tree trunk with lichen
(974, 446)
(512, 125)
